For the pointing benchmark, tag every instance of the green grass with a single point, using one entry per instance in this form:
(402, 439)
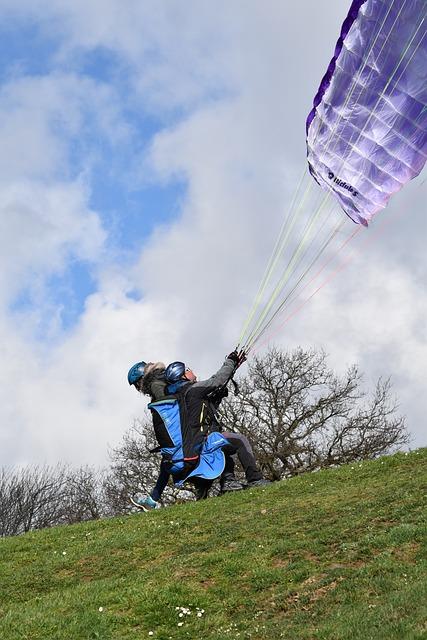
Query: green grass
(336, 554)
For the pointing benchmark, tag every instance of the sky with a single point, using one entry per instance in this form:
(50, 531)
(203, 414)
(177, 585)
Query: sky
(148, 152)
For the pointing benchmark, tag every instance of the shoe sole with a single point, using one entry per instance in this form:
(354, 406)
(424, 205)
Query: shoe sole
(140, 506)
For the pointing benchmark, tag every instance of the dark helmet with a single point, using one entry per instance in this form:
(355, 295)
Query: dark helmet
(174, 372)
(136, 372)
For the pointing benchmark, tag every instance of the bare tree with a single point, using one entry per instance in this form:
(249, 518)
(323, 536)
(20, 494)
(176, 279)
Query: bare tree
(8, 512)
(84, 496)
(39, 497)
(31, 498)
(300, 416)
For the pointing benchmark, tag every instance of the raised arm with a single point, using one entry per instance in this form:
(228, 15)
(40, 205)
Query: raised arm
(223, 375)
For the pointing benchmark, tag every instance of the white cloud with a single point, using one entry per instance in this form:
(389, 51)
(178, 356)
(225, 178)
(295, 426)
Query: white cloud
(40, 117)
(42, 228)
(47, 127)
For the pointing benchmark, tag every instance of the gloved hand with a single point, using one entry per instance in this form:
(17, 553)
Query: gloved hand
(238, 357)
(234, 356)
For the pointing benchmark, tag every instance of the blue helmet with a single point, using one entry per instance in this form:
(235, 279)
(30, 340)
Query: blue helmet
(136, 372)
(174, 372)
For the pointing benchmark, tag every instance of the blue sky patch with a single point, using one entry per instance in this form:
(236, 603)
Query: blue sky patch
(131, 217)
(66, 292)
(28, 54)
(127, 198)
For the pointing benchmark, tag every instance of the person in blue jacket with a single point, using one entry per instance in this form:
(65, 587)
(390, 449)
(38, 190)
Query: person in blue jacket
(201, 400)
(148, 378)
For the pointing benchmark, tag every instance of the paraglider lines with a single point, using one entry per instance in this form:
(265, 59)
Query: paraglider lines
(276, 303)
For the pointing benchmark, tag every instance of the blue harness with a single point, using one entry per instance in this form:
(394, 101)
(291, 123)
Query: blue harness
(208, 462)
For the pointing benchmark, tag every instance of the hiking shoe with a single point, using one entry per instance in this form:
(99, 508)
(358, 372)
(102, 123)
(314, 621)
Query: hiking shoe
(146, 503)
(202, 488)
(262, 482)
(231, 485)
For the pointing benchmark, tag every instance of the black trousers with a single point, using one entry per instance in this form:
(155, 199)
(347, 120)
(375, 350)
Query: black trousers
(239, 445)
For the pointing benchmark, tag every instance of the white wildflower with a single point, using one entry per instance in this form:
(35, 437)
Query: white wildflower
(101, 609)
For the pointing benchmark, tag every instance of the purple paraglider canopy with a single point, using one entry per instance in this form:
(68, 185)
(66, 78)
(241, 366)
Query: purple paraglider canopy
(367, 131)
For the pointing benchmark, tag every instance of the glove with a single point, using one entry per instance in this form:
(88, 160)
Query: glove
(234, 356)
(238, 357)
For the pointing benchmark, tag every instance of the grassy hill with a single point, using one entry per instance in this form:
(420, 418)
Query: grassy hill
(336, 554)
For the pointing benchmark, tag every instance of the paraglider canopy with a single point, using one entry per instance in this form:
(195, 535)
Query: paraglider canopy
(367, 131)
